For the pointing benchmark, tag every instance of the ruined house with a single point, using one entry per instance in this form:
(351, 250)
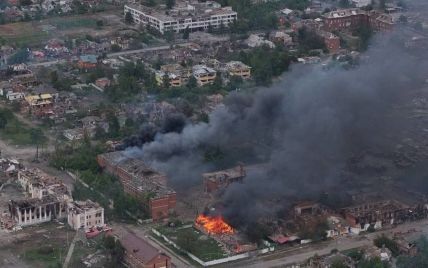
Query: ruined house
(214, 181)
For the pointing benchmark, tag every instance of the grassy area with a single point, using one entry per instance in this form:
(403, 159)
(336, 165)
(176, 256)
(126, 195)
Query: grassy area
(73, 22)
(17, 133)
(195, 242)
(46, 256)
(23, 33)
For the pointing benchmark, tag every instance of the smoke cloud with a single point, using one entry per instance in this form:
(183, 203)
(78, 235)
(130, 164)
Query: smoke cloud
(304, 128)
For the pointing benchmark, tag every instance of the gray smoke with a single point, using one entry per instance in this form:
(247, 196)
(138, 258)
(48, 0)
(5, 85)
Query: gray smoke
(305, 127)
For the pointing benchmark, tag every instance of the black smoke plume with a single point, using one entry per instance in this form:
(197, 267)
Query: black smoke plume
(305, 128)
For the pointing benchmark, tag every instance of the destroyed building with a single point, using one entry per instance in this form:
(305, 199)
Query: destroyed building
(85, 215)
(36, 210)
(142, 182)
(382, 211)
(38, 184)
(215, 181)
(48, 198)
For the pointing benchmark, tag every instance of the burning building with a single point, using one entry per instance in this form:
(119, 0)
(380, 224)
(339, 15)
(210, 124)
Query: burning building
(214, 181)
(213, 224)
(142, 182)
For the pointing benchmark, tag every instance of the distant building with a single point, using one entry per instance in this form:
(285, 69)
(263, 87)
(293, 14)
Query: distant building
(255, 40)
(141, 182)
(306, 207)
(382, 211)
(353, 18)
(361, 3)
(85, 215)
(215, 181)
(140, 254)
(237, 68)
(204, 75)
(173, 79)
(331, 41)
(103, 82)
(40, 105)
(194, 16)
(87, 62)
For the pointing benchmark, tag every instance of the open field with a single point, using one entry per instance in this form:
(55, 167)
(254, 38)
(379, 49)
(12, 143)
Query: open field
(35, 32)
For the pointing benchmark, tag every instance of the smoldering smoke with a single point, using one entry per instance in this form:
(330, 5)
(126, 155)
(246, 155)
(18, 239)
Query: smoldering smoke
(305, 127)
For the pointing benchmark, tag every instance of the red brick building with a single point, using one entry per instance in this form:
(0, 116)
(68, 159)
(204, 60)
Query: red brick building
(349, 19)
(141, 182)
(140, 254)
(332, 42)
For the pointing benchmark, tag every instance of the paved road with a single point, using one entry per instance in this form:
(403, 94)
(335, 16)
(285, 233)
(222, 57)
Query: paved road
(411, 230)
(109, 55)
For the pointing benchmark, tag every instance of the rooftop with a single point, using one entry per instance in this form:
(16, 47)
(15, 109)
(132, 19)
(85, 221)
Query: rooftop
(202, 70)
(34, 202)
(144, 178)
(81, 206)
(231, 173)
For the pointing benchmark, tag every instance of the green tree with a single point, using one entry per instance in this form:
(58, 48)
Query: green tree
(113, 125)
(115, 48)
(21, 56)
(170, 4)
(383, 240)
(373, 263)
(192, 83)
(3, 120)
(186, 33)
(128, 18)
(100, 23)
(166, 83)
(36, 135)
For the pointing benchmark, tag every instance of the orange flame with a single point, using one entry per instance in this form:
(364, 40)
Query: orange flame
(214, 224)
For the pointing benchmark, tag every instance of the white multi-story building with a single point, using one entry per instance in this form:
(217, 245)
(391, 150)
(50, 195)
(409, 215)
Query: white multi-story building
(195, 16)
(85, 215)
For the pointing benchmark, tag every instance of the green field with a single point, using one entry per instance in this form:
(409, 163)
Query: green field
(46, 256)
(73, 22)
(195, 242)
(16, 132)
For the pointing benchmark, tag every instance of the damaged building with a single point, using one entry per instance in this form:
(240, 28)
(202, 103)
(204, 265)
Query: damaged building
(85, 215)
(215, 181)
(383, 212)
(142, 182)
(36, 210)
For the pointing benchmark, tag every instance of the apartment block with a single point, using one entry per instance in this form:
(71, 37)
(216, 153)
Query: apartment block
(204, 75)
(194, 16)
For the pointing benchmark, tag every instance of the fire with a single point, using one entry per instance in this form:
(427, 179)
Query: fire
(214, 224)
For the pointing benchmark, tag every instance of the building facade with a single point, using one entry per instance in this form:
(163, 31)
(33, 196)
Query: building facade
(204, 75)
(85, 215)
(349, 19)
(143, 183)
(194, 17)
